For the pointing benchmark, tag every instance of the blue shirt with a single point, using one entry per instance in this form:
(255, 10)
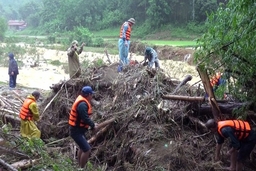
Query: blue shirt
(151, 57)
(82, 111)
(229, 132)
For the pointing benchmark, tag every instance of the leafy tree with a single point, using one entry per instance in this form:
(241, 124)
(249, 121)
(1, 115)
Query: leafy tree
(28, 9)
(3, 28)
(229, 46)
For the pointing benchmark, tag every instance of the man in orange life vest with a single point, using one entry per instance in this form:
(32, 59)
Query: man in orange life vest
(28, 114)
(242, 137)
(216, 81)
(80, 121)
(124, 41)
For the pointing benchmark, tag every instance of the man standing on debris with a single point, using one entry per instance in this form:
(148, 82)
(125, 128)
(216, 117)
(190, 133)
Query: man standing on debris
(13, 71)
(151, 57)
(242, 138)
(80, 121)
(73, 59)
(29, 114)
(124, 41)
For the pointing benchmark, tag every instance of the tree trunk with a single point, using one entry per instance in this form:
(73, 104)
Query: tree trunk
(208, 88)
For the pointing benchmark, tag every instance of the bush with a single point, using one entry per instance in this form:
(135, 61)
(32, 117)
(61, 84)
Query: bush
(82, 34)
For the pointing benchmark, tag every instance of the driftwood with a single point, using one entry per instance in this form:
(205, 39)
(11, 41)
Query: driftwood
(105, 123)
(21, 99)
(2, 142)
(106, 52)
(3, 149)
(184, 98)
(197, 122)
(23, 164)
(99, 133)
(183, 82)
(7, 165)
(56, 95)
(11, 115)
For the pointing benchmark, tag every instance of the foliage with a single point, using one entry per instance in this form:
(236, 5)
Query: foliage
(51, 16)
(229, 46)
(56, 62)
(81, 34)
(3, 28)
(18, 51)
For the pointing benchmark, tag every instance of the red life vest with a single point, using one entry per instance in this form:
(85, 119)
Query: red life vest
(25, 112)
(128, 31)
(242, 128)
(73, 116)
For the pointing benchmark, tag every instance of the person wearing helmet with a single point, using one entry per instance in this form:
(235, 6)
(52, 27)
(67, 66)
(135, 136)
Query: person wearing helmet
(73, 59)
(151, 57)
(124, 41)
(79, 123)
(241, 136)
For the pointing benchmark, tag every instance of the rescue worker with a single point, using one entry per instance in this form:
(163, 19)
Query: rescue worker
(124, 41)
(73, 59)
(29, 113)
(151, 57)
(242, 138)
(80, 121)
(216, 81)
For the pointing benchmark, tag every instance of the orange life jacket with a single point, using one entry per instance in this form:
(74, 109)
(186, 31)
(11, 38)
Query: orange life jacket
(25, 112)
(215, 79)
(242, 128)
(73, 116)
(128, 31)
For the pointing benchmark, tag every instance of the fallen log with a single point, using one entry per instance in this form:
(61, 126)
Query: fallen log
(227, 108)
(189, 98)
(184, 98)
(99, 133)
(101, 128)
(105, 123)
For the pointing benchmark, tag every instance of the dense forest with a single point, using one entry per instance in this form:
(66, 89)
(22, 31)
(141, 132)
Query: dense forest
(64, 15)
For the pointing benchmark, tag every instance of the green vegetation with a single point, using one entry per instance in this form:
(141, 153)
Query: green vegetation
(171, 43)
(228, 46)
(3, 28)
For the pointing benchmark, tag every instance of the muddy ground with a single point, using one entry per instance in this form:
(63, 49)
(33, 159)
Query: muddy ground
(148, 133)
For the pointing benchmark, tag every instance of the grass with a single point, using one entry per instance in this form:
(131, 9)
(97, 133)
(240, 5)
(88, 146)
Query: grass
(107, 33)
(170, 43)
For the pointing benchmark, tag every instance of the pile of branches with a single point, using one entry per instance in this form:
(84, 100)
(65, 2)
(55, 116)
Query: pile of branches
(143, 136)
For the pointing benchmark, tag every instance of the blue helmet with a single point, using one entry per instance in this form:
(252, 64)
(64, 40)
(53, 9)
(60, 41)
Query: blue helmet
(87, 90)
(148, 50)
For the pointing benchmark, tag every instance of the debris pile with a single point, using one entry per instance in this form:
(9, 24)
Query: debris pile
(145, 132)
(144, 136)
